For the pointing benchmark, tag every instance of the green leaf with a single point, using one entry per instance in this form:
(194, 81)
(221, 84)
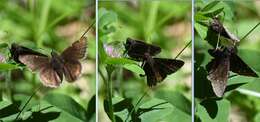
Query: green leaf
(210, 5)
(3, 45)
(4, 104)
(67, 105)
(134, 68)
(153, 109)
(91, 108)
(5, 66)
(106, 19)
(118, 61)
(213, 111)
(176, 99)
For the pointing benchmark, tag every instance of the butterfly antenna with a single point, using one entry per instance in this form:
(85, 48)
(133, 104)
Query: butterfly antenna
(27, 102)
(183, 49)
(88, 29)
(250, 31)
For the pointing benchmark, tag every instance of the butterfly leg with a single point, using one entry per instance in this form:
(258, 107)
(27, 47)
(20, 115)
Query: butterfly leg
(217, 46)
(142, 66)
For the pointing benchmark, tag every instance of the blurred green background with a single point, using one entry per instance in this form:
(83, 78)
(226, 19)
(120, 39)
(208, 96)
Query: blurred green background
(46, 25)
(241, 104)
(163, 23)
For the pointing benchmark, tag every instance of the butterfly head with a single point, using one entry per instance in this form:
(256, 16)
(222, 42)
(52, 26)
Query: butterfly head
(54, 54)
(15, 50)
(129, 43)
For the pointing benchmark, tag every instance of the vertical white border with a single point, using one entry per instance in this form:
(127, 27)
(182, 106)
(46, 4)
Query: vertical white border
(96, 59)
(192, 62)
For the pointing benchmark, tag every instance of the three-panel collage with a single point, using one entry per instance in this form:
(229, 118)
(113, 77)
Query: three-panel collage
(129, 61)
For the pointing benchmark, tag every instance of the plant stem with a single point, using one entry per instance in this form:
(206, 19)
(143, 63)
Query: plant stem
(250, 31)
(8, 85)
(110, 95)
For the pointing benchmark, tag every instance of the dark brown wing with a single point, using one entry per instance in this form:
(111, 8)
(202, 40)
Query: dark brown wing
(17, 50)
(48, 75)
(72, 67)
(218, 73)
(137, 49)
(168, 66)
(238, 66)
(72, 70)
(76, 51)
(34, 62)
(156, 69)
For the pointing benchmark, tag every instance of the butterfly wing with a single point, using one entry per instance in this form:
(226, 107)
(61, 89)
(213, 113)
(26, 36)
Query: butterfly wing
(34, 62)
(157, 69)
(71, 55)
(76, 51)
(152, 74)
(17, 50)
(48, 75)
(72, 70)
(238, 66)
(218, 69)
(137, 49)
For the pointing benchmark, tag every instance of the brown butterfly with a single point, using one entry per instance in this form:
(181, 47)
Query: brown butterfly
(52, 69)
(225, 60)
(156, 69)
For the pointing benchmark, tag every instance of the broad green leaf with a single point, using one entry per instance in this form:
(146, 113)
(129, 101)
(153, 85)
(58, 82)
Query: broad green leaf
(153, 109)
(176, 99)
(118, 61)
(134, 68)
(67, 105)
(214, 111)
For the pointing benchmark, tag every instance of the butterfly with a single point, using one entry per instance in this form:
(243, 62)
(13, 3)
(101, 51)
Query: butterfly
(156, 69)
(225, 60)
(51, 69)
(220, 29)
